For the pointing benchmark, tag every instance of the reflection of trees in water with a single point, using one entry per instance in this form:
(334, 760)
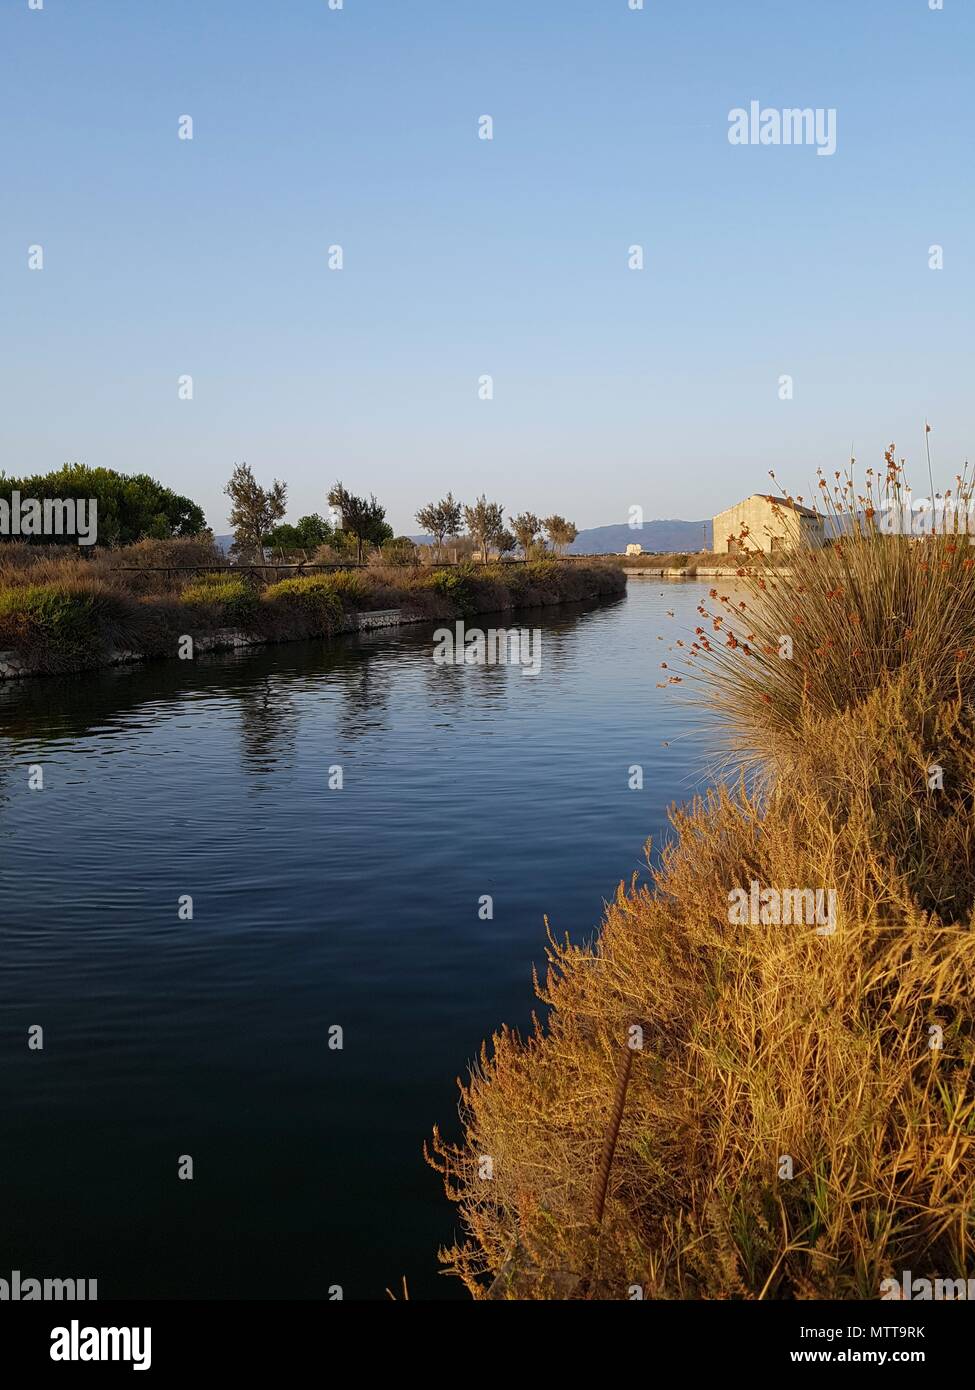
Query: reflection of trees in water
(445, 686)
(553, 635)
(364, 687)
(36, 712)
(269, 725)
(10, 762)
(30, 718)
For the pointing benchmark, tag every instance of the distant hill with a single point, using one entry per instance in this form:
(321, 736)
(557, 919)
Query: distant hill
(652, 535)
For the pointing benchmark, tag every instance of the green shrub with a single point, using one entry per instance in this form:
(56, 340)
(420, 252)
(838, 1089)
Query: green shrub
(64, 624)
(454, 585)
(348, 585)
(542, 571)
(311, 599)
(498, 573)
(231, 595)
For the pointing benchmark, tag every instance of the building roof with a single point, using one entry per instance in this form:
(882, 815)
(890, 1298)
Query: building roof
(778, 502)
(787, 502)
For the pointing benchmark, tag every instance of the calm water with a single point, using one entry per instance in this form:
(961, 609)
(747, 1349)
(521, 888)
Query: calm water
(312, 908)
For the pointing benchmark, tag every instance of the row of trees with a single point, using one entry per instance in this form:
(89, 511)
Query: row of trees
(256, 516)
(484, 521)
(136, 507)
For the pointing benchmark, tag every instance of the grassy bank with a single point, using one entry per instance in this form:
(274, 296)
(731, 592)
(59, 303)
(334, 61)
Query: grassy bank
(60, 612)
(796, 1109)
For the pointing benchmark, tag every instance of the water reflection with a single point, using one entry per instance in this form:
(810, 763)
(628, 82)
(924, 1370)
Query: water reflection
(35, 713)
(270, 723)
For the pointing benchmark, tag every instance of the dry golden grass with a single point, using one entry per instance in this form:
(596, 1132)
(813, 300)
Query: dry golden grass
(765, 1043)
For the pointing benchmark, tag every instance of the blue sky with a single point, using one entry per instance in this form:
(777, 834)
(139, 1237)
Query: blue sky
(358, 127)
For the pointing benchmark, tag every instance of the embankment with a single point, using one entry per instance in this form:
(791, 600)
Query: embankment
(82, 616)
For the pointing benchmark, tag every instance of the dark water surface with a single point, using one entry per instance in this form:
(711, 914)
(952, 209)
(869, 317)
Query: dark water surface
(312, 908)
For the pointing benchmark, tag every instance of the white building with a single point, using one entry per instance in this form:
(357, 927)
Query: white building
(769, 523)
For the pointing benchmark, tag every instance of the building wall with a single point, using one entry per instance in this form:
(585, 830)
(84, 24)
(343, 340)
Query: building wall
(769, 528)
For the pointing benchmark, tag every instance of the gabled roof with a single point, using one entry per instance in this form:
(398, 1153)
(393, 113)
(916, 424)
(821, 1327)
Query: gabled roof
(786, 502)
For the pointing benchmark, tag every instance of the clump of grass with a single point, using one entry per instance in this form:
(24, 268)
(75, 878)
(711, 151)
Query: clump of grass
(800, 1117)
(457, 586)
(542, 571)
(156, 566)
(311, 602)
(23, 563)
(64, 625)
(230, 598)
(350, 587)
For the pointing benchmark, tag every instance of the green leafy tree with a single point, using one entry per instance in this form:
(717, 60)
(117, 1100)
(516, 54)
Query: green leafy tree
(313, 531)
(505, 543)
(440, 519)
(343, 543)
(131, 507)
(560, 532)
(307, 533)
(282, 538)
(485, 523)
(253, 509)
(362, 517)
(526, 527)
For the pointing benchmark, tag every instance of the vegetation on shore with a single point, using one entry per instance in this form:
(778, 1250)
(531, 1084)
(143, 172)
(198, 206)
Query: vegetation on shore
(692, 561)
(62, 612)
(798, 1109)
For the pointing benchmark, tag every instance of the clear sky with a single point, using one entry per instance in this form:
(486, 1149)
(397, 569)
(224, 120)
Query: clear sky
(358, 127)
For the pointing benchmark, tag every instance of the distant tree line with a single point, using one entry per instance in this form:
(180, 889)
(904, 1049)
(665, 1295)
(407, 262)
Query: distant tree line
(484, 522)
(358, 523)
(136, 507)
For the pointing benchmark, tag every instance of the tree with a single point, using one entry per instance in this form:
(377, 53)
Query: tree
(485, 523)
(560, 532)
(506, 543)
(440, 519)
(253, 509)
(363, 518)
(283, 538)
(526, 527)
(308, 533)
(130, 507)
(313, 531)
